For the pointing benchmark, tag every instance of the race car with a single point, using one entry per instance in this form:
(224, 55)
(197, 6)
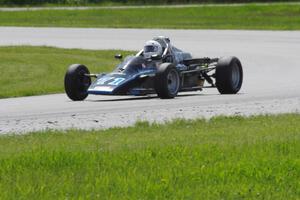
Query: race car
(159, 68)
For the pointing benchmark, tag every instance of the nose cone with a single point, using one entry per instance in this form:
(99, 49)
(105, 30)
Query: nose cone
(107, 84)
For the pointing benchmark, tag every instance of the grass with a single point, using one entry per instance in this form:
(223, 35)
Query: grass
(251, 16)
(224, 158)
(76, 3)
(30, 71)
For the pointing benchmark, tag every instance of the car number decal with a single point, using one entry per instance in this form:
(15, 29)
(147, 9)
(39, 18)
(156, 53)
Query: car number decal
(116, 81)
(110, 81)
(103, 80)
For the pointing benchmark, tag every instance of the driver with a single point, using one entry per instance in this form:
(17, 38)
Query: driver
(151, 48)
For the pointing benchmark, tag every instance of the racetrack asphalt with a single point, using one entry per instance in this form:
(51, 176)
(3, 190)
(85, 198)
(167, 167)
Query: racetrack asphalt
(36, 8)
(13, 9)
(271, 78)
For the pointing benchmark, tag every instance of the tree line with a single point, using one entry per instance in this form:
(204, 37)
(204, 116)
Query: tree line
(130, 2)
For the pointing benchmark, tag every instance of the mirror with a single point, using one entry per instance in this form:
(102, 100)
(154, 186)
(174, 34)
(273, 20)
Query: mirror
(155, 57)
(118, 56)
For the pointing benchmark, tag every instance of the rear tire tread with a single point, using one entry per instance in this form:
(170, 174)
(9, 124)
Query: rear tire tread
(161, 81)
(224, 80)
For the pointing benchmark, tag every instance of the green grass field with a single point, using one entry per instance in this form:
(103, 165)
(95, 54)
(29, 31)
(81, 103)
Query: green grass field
(224, 158)
(262, 17)
(27, 71)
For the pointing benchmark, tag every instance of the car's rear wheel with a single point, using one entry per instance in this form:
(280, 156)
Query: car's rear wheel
(76, 83)
(229, 75)
(167, 81)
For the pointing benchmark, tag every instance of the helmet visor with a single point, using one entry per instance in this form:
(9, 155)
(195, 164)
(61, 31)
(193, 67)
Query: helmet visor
(150, 48)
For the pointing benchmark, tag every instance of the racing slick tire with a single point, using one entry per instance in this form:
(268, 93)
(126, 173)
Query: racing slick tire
(229, 75)
(76, 83)
(167, 81)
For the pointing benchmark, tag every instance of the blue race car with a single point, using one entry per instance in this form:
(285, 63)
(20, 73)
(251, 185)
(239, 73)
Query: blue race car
(159, 68)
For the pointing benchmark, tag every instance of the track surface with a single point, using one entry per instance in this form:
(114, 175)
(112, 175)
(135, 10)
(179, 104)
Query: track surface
(271, 83)
(129, 7)
(148, 6)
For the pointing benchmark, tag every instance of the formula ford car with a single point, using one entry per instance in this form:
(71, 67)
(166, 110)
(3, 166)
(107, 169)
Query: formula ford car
(159, 68)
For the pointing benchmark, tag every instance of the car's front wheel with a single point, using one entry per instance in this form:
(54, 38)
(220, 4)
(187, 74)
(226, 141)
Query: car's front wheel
(229, 75)
(76, 82)
(167, 81)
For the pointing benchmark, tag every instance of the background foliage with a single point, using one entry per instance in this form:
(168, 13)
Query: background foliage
(84, 2)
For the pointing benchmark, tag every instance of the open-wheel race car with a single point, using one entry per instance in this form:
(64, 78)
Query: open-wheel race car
(159, 68)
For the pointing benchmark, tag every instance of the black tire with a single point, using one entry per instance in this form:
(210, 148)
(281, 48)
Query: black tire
(229, 75)
(76, 83)
(167, 81)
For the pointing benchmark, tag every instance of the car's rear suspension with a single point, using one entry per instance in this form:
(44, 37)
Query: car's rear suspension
(208, 78)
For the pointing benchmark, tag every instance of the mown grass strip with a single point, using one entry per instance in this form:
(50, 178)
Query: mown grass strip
(224, 158)
(261, 17)
(27, 71)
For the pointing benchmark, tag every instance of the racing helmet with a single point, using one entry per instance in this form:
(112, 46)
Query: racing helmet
(151, 48)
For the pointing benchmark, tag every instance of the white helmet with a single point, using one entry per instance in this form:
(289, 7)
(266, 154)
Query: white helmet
(151, 48)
